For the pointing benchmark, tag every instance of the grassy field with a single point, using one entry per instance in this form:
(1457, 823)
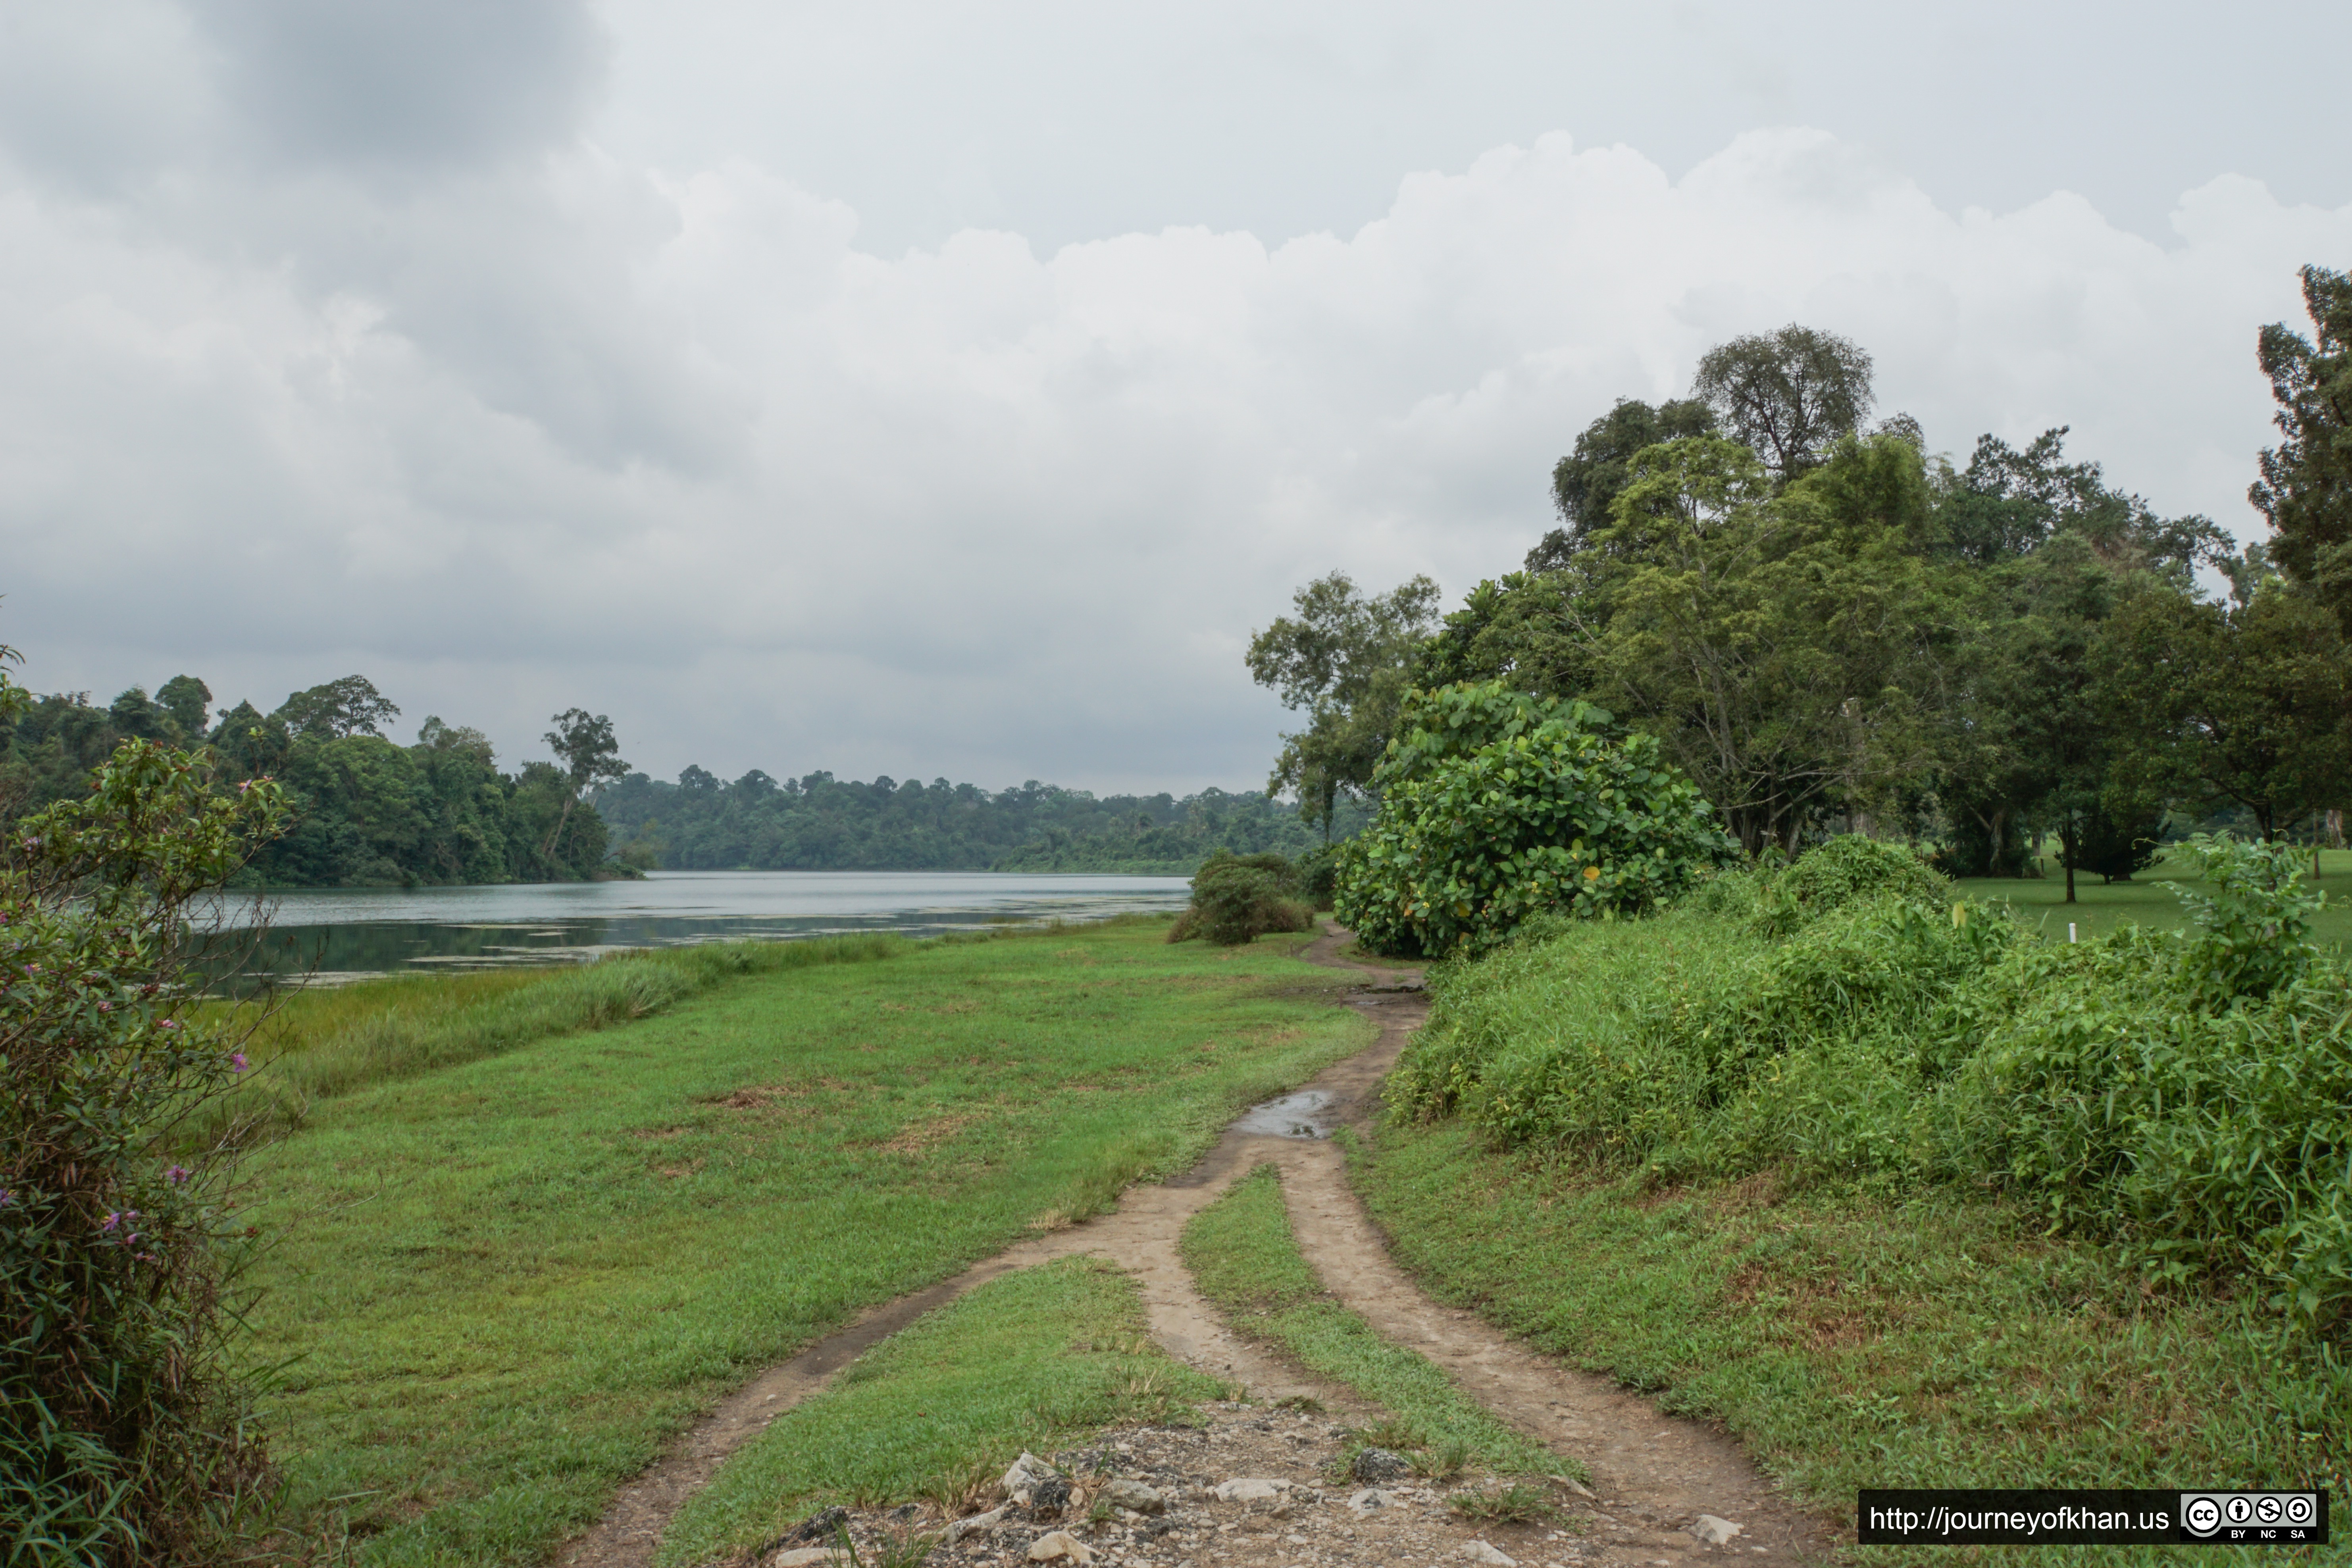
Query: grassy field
(501, 1287)
(2146, 899)
(946, 1404)
(1245, 1258)
(1853, 1340)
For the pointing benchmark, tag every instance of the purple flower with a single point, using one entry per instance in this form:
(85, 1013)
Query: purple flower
(177, 1175)
(237, 1061)
(6, 1198)
(106, 1006)
(168, 1024)
(109, 1222)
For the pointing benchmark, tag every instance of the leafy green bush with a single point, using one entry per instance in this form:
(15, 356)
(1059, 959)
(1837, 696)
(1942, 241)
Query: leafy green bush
(1843, 871)
(1319, 875)
(1240, 898)
(123, 1440)
(1497, 806)
(2185, 1094)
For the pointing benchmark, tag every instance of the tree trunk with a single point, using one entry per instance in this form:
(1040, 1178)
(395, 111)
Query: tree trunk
(547, 850)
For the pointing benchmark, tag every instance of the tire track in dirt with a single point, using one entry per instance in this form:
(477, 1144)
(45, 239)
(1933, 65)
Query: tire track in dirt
(1654, 1474)
(1140, 1235)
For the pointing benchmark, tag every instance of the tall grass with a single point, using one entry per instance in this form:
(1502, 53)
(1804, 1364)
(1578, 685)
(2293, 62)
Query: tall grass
(2187, 1094)
(316, 1045)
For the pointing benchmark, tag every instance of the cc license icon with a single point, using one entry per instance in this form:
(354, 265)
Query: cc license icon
(2238, 1509)
(2203, 1515)
(2299, 1510)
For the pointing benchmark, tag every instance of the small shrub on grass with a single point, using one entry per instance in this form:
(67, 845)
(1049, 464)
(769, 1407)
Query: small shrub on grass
(1240, 898)
(1318, 876)
(122, 1438)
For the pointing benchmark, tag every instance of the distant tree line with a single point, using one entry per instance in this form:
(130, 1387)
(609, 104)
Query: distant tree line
(818, 823)
(1826, 626)
(365, 811)
(369, 812)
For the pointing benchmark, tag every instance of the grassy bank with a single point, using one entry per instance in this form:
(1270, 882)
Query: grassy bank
(1245, 1258)
(503, 1284)
(1899, 1191)
(1025, 1361)
(1855, 1339)
(317, 1043)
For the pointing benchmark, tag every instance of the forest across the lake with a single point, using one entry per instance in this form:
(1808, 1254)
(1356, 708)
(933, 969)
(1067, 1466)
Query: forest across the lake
(370, 812)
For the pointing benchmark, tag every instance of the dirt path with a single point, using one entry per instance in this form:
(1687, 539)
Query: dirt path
(1653, 1475)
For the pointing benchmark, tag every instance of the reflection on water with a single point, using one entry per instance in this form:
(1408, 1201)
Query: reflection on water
(343, 933)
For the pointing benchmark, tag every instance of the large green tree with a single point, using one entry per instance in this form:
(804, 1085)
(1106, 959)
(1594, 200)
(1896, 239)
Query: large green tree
(351, 706)
(1585, 483)
(1787, 648)
(583, 742)
(1345, 659)
(2306, 489)
(2249, 704)
(1788, 395)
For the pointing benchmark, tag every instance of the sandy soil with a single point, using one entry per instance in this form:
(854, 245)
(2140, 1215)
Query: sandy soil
(1653, 1476)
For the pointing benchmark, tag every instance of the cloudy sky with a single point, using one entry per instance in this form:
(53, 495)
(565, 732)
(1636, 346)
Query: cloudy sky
(951, 388)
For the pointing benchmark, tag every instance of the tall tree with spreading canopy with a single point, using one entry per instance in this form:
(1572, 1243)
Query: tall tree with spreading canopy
(2306, 489)
(351, 706)
(1787, 650)
(1788, 396)
(582, 742)
(1345, 659)
(1585, 483)
(2249, 704)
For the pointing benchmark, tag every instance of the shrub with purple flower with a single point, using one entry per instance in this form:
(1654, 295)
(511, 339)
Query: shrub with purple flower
(113, 1260)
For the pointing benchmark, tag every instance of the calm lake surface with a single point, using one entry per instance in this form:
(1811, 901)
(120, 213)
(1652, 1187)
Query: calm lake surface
(345, 934)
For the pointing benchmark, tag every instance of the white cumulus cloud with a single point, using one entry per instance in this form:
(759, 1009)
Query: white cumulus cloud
(553, 427)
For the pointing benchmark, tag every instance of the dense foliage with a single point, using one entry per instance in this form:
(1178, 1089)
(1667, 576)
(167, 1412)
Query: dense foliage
(1496, 807)
(1240, 898)
(122, 1438)
(366, 812)
(2306, 489)
(1344, 660)
(2187, 1094)
(1828, 629)
(821, 824)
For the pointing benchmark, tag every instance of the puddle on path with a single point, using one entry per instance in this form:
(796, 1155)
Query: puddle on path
(1307, 1114)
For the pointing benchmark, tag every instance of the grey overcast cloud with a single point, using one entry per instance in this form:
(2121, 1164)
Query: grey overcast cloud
(951, 389)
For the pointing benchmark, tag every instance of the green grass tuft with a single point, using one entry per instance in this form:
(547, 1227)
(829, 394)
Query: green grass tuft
(1245, 1258)
(1025, 1362)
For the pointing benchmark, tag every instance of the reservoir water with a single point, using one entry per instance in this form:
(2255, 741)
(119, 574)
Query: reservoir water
(344, 934)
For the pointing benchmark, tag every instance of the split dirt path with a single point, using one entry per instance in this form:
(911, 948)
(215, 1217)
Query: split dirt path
(1652, 1475)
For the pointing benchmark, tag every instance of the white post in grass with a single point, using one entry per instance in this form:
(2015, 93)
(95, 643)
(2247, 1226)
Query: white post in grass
(2070, 931)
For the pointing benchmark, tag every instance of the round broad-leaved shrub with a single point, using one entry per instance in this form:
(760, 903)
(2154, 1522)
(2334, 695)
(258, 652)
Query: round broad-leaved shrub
(1496, 807)
(1240, 898)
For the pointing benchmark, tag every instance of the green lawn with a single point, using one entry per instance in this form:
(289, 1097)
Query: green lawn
(2146, 899)
(1851, 1339)
(503, 1285)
